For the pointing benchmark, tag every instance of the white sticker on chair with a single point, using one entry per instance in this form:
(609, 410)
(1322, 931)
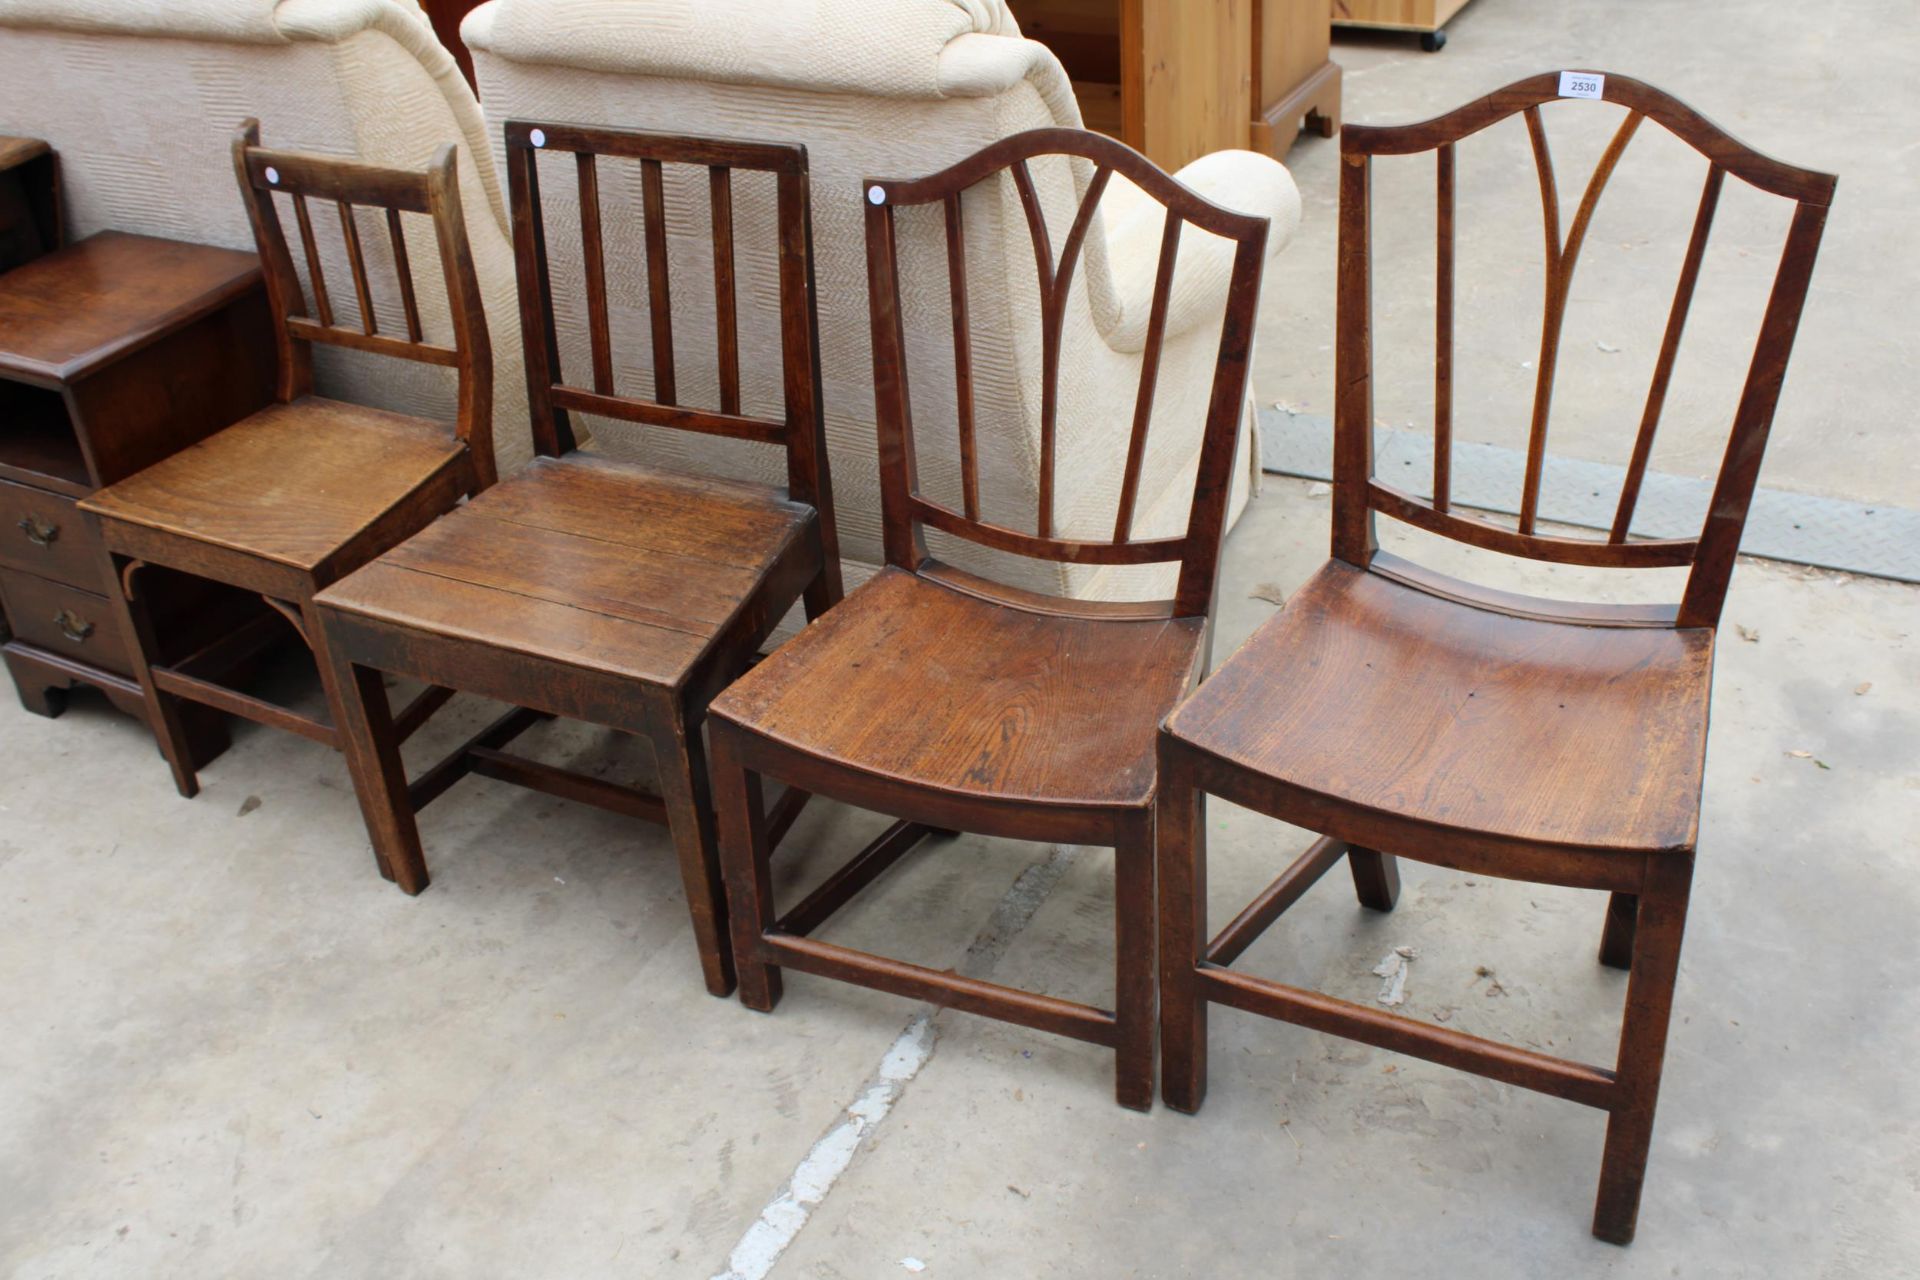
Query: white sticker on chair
(538, 137)
(1582, 84)
(273, 176)
(877, 195)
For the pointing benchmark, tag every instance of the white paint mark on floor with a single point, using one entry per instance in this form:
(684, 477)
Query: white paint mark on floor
(780, 1222)
(814, 1176)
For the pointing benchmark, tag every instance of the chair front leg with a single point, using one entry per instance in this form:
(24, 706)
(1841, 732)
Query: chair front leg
(1181, 857)
(1133, 938)
(1643, 1043)
(682, 766)
(363, 724)
(165, 714)
(746, 862)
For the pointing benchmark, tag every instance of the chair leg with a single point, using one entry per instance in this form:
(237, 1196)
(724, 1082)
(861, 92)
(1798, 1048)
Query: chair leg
(363, 719)
(1133, 937)
(1376, 878)
(682, 765)
(748, 866)
(1616, 937)
(164, 712)
(1181, 854)
(1643, 1044)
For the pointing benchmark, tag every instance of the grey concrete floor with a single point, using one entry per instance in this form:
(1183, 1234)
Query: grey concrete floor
(231, 1049)
(227, 1048)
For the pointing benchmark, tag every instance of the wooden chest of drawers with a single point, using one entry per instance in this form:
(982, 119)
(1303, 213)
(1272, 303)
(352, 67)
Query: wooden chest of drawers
(114, 352)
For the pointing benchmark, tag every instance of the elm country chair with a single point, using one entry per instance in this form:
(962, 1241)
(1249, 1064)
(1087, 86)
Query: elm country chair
(287, 501)
(1401, 712)
(613, 592)
(953, 702)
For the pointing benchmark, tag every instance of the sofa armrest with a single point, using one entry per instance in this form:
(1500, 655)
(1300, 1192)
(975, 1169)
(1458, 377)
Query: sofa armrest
(1241, 180)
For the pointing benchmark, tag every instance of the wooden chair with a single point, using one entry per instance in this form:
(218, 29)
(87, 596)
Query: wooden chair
(1406, 713)
(952, 702)
(605, 591)
(286, 501)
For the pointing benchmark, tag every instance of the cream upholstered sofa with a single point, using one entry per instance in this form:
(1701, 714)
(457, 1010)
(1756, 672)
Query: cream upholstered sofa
(895, 89)
(141, 99)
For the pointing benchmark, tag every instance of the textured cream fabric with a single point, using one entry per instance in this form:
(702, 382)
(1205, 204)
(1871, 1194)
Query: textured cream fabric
(888, 89)
(141, 100)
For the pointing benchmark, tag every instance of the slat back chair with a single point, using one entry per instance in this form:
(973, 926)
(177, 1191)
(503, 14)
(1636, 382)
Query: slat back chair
(907, 511)
(349, 186)
(1403, 712)
(1359, 493)
(288, 500)
(598, 589)
(917, 696)
(801, 428)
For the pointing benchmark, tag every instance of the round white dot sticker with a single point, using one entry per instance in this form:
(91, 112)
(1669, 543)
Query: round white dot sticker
(273, 176)
(877, 195)
(538, 137)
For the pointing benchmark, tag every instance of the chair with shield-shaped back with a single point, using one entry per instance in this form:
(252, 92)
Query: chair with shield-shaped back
(953, 702)
(1406, 713)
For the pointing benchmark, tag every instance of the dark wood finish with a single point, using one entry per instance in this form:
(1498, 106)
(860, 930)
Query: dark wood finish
(116, 351)
(446, 16)
(291, 497)
(30, 203)
(954, 703)
(1406, 714)
(600, 590)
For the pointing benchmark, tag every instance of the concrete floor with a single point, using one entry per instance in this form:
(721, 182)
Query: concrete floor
(227, 1048)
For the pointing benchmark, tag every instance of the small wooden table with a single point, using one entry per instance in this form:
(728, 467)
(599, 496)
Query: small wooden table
(114, 352)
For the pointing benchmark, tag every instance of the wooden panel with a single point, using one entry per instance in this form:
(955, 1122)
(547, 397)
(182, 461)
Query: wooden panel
(1194, 69)
(1396, 15)
(38, 446)
(41, 533)
(1293, 39)
(1083, 34)
(1100, 107)
(63, 620)
(81, 307)
(1295, 83)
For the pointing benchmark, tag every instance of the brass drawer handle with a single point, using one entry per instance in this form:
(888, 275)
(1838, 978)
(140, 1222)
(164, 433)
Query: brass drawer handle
(73, 626)
(39, 532)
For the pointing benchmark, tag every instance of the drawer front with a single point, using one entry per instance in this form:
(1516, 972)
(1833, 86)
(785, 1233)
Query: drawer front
(44, 534)
(64, 620)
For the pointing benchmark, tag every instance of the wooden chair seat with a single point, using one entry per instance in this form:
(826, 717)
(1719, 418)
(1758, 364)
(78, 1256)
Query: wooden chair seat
(1417, 713)
(933, 687)
(604, 565)
(298, 484)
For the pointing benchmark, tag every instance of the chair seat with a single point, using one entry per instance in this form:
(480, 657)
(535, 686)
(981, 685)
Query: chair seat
(595, 563)
(293, 483)
(1368, 693)
(925, 684)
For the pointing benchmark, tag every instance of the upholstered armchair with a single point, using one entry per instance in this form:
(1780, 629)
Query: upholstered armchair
(141, 99)
(892, 89)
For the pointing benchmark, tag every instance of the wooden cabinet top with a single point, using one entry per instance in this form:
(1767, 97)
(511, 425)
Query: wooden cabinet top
(17, 151)
(65, 315)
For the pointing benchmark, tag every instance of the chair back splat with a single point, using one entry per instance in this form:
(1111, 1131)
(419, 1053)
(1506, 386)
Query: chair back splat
(906, 511)
(1709, 555)
(800, 428)
(350, 186)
